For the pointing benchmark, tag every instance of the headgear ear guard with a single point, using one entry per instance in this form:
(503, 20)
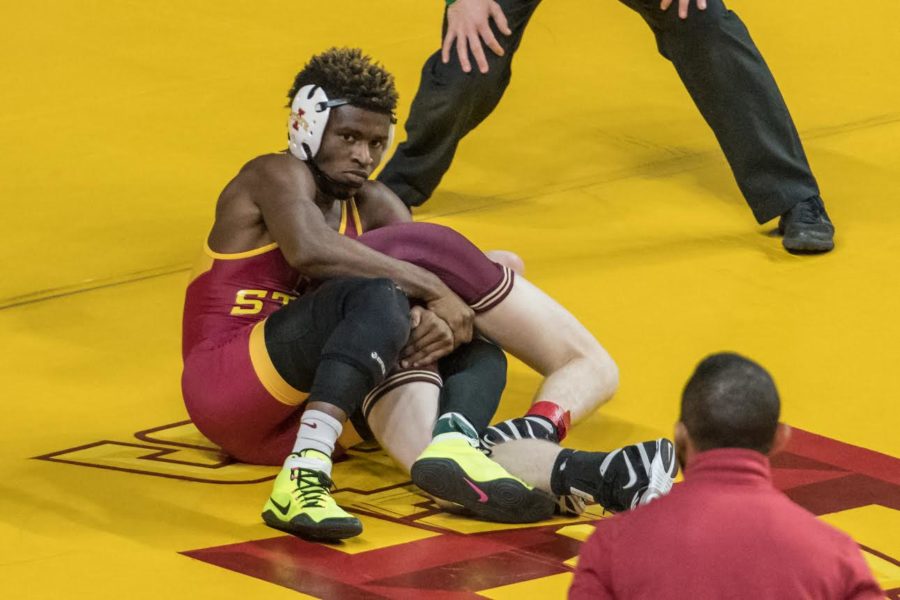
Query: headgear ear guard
(309, 116)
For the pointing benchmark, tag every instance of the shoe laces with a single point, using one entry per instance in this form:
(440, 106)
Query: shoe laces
(312, 487)
(810, 211)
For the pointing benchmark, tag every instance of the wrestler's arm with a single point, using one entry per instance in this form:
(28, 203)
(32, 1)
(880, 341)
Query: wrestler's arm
(285, 196)
(430, 337)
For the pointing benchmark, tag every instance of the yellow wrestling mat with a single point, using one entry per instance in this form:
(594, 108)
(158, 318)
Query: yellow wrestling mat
(122, 121)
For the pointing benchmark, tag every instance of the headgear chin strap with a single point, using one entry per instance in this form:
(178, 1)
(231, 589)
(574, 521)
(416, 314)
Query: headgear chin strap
(309, 116)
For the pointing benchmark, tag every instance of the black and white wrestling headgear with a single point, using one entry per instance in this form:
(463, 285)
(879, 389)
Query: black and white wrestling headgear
(309, 116)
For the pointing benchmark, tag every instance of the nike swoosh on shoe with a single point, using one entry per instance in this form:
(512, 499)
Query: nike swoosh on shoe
(282, 509)
(482, 497)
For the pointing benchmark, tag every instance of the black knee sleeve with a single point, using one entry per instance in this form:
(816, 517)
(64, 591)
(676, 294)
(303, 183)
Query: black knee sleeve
(364, 346)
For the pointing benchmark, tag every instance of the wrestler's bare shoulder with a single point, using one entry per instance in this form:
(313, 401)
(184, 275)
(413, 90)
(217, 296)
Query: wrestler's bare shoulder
(264, 178)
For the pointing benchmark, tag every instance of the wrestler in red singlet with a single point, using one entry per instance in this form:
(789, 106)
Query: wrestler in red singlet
(225, 357)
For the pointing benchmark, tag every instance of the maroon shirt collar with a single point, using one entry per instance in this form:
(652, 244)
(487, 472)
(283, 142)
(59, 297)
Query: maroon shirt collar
(731, 465)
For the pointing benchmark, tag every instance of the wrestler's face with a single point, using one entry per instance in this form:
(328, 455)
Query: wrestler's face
(352, 146)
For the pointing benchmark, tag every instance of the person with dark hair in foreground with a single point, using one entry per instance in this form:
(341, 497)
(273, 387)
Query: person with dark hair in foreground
(725, 532)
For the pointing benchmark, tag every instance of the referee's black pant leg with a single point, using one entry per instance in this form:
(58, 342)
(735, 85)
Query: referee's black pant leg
(736, 93)
(449, 104)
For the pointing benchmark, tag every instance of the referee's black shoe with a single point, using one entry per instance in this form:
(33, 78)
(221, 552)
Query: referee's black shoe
(806, 227)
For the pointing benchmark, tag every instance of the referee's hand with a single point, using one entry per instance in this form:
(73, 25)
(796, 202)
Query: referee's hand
(469, 29)
(682, 7)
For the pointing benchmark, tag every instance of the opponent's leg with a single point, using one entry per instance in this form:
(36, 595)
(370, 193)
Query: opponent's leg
(453, 467)
(474, 378)
(579, 373)
(512, 479)
(429, 431)
(618, 480)
(336, 343)
(401, 413)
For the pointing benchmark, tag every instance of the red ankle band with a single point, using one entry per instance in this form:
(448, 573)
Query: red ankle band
(560, 418)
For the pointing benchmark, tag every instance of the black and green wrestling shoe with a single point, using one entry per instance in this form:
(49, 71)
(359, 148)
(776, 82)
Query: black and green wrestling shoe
(455, 470)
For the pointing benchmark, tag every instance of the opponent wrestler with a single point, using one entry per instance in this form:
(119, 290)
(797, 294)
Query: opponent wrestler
(579, 376)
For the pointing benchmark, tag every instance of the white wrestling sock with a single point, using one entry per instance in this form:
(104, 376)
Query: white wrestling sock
(319, 432)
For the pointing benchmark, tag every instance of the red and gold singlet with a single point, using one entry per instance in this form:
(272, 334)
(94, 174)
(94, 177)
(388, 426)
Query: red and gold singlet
(230, 291)
(231, 389)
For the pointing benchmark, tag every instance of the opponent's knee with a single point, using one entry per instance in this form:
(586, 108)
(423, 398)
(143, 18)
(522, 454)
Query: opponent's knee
(605, 370)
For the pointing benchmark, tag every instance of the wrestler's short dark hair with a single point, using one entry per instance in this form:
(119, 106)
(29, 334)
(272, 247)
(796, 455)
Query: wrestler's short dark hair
(349, 74)
(730, 402)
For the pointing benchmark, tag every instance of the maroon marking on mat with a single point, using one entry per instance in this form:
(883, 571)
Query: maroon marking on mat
(291, 563)
(852, 491)
(166, 447)
(475, 574)
(155, 453)
(785, 479)
(880, 555)
(845, 456)
(430, 566)
(789, 460)
(821, 474)
(145, 436)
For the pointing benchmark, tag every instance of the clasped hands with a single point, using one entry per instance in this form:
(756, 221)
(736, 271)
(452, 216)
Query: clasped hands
(430, 338)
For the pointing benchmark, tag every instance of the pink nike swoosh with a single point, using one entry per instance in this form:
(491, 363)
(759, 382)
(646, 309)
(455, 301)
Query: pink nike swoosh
(482, 497)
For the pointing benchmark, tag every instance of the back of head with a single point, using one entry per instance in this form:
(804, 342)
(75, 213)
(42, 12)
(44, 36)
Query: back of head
(730, 402)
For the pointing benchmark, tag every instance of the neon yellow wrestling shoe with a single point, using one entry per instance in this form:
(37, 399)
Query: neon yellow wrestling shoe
(455, 470)
(301, 504)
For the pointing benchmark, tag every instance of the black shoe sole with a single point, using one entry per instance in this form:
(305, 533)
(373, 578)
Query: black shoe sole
(506, 501)
(329, 530)
(808, 244)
